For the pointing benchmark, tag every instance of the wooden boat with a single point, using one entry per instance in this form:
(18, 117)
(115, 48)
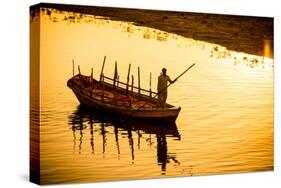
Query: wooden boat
(89, 116)
(111, 95)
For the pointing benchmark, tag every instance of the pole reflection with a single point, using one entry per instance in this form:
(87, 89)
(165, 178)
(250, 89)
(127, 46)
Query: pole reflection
(98, 121)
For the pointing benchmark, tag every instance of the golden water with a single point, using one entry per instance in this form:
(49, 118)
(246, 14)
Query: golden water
(226, 121)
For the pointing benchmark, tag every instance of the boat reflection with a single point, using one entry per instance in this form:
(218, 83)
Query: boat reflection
(100, 121)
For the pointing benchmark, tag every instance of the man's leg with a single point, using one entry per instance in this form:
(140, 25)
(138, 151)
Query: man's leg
(164, 99)
(159, 100)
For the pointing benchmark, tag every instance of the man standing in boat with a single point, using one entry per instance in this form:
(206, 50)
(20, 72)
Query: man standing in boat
(163, 80)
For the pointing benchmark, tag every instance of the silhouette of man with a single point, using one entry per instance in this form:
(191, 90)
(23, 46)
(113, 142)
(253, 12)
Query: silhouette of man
(163, 80)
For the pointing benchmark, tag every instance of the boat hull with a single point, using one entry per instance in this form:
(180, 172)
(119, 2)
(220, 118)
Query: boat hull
(98, 116)
(159, 114)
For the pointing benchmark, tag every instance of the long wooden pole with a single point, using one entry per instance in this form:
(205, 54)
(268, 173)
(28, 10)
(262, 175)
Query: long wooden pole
(132, 87)
(132, 91)
(79, 70)
(102, 67)
(139, 80)
(164, 88)
(115, 74)
(128, 78)
(182, 74)
(80, 77)
(118, 81)
(150, 75)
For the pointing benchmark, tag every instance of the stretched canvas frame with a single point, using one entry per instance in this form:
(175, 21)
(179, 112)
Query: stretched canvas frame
(211, 123)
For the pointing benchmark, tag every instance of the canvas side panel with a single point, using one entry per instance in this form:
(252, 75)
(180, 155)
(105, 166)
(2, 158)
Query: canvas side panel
(35, 94)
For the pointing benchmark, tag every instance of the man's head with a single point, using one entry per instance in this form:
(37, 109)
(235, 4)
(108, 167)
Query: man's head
(164, 70)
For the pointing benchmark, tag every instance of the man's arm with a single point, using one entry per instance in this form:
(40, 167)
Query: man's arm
(171, 81)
